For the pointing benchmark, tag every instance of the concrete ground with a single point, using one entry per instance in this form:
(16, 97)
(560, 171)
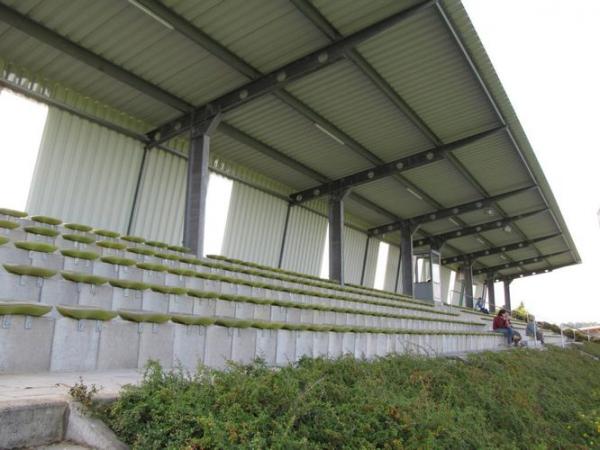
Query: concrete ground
(20, 388)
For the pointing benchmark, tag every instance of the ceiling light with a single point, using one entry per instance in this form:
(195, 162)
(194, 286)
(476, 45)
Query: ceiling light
(507, 228)
(330, 134)
(151, 14)
(490, 212)
(416, 194)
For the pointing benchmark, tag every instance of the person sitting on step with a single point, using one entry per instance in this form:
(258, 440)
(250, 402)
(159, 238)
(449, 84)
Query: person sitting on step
(532, 329)
(502, 325)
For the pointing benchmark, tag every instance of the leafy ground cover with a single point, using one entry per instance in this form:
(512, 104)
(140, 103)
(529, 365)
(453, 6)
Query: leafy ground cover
(522, 399)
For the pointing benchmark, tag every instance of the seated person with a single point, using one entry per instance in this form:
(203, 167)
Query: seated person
(480, 306)
(502, 325)
(532, 329)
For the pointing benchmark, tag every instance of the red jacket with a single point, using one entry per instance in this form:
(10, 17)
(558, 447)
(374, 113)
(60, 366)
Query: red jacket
(500, 322)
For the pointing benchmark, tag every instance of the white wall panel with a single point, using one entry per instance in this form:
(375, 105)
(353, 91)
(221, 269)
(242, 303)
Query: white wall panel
(445, 273)
(354, 254)
(84, 173)
(391, 268)
(255, 225)
(305, 242)
(371, 263)
(161, 200)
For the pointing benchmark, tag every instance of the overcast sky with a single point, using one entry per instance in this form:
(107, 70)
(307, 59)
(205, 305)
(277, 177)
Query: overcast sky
(546, 55)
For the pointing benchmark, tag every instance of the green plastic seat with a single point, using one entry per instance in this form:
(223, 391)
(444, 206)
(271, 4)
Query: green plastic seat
(13, 213)
(80, 312)
(30, 271)
(143, 316)
(80, 238)
(84, 278)
(42, 231)
(24, 309)
(191, 319)
(46, 220)
(41, 247)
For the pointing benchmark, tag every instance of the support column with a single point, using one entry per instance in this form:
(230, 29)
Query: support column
(406, 253)
(285, 232)
(364, 265)
(137, 189)
(336, 236)
(491, 292)
(468, 280)
(197, 185)
(507, 304)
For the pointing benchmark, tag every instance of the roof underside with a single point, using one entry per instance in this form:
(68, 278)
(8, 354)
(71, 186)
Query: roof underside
(420, 60)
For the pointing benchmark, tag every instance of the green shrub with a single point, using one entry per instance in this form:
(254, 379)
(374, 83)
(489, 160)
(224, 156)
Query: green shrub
(112, 245)
(42, 231)
(79, 254)
(47, 220)
(9, 225)
(80, 238)
(506, 400)
(29, 271)
(107, 234)
(12, 213)
(41, 247)
(78, 227)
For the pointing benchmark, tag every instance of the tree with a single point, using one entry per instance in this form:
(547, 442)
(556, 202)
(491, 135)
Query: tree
(520, 313)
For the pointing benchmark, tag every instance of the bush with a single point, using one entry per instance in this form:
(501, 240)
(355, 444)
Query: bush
(519, 399)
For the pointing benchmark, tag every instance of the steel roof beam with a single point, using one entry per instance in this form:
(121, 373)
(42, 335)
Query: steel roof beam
(448, 212)
(495, 250)
(529, 273)
(520, 263)
(55, 40)
(475, 229)
(280, 77)
(387, 169)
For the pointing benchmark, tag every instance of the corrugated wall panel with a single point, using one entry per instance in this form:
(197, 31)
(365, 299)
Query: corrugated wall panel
(255, 225)
(445, 273)
(354, 253)
(371, 264)
(161, 202)
(391, 268)
(305, 242)
(84, 173)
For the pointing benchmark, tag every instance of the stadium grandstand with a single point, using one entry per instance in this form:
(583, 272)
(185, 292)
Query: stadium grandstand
(354, 121)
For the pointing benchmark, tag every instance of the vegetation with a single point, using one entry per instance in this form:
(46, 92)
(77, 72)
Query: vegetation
(592, 348)
(509, 400)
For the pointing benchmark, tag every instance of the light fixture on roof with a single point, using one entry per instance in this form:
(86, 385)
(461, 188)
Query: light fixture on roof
(329, 133)
(416, 194)
(151, 14)
(490, 211)
(507, 228)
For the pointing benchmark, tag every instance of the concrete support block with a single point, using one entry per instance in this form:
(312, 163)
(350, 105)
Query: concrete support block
(286, 347)
(320, 344)
(25, 343)
(19, 288)
(304, 344)
(371, 345)
(181, 304)
(262, 312)
(56, 291)
(306, 316)
(351, 319)
(205, 307)
(195, 283)
(98, 296)
(27, 425)
(219, 341)
(244, 311)
(119, 345)
(360, 345)
(156, 342)
(153, 277)
(189, 346)
(12, 255)
(14, 235)
(336, 345)
(243, 349)
(224, 308)
(175, 280)
(155, 301)
(246, 291)
(383, 344)
(293, 315)
(126, 298)
(266, 346)
(228, 288)
(348, 343)
(77, 265)
(75, 345)
(278, 313)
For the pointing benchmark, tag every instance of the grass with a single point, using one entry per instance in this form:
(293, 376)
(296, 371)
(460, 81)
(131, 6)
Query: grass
(592, 348)
(507, 400)
(41, 247)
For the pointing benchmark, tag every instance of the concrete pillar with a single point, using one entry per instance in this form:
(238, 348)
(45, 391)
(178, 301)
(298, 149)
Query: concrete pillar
(197, 186)
(406, 253)
(336, 236)
(468, 283)
(491, 293)
(507, 304)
